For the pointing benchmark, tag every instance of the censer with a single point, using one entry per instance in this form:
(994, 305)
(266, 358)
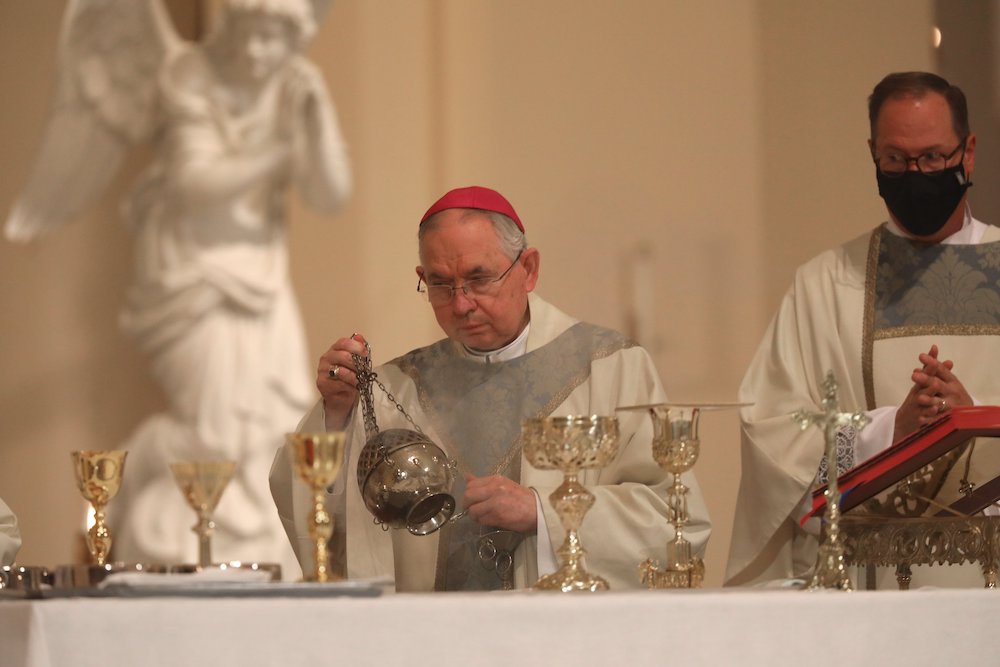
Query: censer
(405, 479)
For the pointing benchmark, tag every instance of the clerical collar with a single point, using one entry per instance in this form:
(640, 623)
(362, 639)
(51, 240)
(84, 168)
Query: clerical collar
(972, 230)
(511, 350)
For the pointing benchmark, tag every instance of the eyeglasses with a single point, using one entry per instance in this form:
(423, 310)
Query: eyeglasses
(440, 294)
(896, 164)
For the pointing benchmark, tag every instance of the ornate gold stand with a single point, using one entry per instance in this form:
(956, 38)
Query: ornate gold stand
(879, 541)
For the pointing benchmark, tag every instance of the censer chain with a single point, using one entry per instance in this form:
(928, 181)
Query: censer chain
(366, 378)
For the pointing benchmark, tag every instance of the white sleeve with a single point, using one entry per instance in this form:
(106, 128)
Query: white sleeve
(877, 435)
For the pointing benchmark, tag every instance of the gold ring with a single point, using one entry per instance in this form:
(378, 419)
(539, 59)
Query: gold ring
(942, 406)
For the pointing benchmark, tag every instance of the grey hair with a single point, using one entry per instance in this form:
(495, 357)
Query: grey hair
(512, 239)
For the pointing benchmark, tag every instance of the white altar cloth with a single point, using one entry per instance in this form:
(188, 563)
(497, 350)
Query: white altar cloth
(708, 627)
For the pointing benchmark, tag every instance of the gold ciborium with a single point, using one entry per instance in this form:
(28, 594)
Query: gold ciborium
(570, 444)
(202, 483)
(99, 476)
(317, 458)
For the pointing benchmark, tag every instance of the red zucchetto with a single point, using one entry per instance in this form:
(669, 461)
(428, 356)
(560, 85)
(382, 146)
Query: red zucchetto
(474, 197)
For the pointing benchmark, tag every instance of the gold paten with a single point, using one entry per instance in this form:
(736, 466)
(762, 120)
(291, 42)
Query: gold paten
(99, 476)
(570, 444)
(317, 458)
(202, 484)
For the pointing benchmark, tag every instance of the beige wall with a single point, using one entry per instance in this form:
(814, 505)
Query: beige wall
(719, 143)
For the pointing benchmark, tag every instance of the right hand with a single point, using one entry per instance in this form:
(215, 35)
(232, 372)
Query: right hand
(340, 393)
(935, 390)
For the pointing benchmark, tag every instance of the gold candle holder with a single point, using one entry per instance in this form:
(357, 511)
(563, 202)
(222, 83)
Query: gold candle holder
(317, 458)
(99, 476)
(570, 444)
(202, 484)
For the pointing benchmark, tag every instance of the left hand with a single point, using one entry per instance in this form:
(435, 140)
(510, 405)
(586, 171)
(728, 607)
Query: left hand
(942, 390)
(500, 502)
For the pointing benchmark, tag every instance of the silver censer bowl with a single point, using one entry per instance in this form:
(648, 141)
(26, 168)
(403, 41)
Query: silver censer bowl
(406, 481)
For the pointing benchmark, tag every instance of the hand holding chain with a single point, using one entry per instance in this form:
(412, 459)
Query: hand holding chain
(366, 378)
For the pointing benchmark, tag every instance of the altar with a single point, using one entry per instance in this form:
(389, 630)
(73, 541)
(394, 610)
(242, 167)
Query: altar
(705, 627)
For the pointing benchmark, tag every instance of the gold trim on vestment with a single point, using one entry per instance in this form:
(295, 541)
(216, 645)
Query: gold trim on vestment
(938, 330)
(868, 320)
(559, 398)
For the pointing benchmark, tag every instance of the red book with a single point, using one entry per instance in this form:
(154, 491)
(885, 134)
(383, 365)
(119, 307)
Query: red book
(914, 452)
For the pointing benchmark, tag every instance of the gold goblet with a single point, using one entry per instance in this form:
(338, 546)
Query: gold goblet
(570, 444)
(317, 458)
(99, 476)
(202, 483)
(676, 447)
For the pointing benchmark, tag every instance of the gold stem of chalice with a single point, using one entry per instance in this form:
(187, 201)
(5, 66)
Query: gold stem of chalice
(99, 476)
(570, 444)
(676, 448)
(202, 483)
(317, 458)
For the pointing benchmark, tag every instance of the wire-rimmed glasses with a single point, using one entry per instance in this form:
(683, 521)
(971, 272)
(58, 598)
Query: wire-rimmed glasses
(440, 294)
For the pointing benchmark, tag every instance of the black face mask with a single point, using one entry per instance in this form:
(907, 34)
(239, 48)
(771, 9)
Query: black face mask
(923, 202)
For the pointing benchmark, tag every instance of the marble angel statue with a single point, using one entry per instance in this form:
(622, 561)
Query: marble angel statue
(234, 122)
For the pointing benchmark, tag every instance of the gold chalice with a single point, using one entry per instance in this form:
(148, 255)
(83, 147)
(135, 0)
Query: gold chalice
(99, 476)
(202, 483)
(570, 444)
(676, 447)
(317, 458)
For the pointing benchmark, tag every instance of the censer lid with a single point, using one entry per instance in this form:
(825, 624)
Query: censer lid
(383, 445)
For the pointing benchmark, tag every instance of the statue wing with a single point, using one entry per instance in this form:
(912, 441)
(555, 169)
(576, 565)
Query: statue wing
(110, 54)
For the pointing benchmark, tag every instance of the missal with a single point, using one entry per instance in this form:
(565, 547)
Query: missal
(930, 471)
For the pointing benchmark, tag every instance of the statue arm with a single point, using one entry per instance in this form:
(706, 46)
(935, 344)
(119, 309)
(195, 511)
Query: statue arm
(321, 168)
(203, 173)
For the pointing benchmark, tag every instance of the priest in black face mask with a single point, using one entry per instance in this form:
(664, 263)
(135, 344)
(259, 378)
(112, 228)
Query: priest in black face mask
(907, 317)
(924, 154)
